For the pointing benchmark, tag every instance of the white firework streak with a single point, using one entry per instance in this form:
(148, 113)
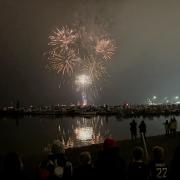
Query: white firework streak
(97, 71)
(94, 68)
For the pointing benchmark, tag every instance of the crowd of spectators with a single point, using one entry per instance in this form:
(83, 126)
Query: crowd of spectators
(109, 165)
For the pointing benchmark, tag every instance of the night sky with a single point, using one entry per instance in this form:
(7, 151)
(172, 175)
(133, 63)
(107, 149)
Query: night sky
(147, 61)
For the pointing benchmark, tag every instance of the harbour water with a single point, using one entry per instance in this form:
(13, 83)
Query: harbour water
(33, 134)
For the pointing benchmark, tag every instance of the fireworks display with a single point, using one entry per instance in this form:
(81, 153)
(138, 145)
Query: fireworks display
(83, 81)
(80, 50)
(105, 48)
(64, 61)
(63, 37)
(96, 69)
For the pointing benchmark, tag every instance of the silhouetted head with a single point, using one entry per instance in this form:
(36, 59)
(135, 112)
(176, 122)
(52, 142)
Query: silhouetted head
(57, 147)
(138, 153)
(85, 158)
(158, 153)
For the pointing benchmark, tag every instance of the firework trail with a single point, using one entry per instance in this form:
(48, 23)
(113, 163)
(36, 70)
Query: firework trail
(94, 68)
(83, 82)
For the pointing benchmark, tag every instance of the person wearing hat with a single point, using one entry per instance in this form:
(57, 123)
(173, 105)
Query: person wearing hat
(109, 163)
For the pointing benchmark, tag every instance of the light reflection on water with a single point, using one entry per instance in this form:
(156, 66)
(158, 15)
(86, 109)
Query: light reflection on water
(33, 134)
(83, 131)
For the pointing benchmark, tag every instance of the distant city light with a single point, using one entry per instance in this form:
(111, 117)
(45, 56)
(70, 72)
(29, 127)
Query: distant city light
(176, 97)
(155, 100)
(154, 97)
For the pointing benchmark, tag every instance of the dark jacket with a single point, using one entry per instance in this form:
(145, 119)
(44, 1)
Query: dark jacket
(110, 165)
(158, 170)
(142, 127)
(84, 172)
(137, 170)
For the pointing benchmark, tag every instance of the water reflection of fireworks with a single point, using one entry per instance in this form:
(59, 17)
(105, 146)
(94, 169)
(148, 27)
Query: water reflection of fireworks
(83, 131)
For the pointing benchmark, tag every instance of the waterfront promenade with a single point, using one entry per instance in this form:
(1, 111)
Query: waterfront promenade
(169, 143)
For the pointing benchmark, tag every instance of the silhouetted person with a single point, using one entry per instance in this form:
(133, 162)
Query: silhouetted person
(13, 167)
(133, 129)
(174, 125)
(85, 170)
(57, 166)
(166, 127)
(142, 128)
(158, 168)
(137, 168)
(109, 164)
(171, 126)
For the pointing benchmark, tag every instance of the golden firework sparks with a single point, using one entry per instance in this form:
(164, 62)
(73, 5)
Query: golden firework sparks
(63, 37)
(64, 61)
(96, 69)
(106, 48)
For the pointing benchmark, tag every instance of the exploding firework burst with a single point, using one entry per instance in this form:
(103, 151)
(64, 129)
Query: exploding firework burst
(106, 48)
(96, 69)
(81, 50)
(63, 37)
(64, 61)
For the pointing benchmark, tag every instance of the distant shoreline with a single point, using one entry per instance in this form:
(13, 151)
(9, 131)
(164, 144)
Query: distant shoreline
(88, 112)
